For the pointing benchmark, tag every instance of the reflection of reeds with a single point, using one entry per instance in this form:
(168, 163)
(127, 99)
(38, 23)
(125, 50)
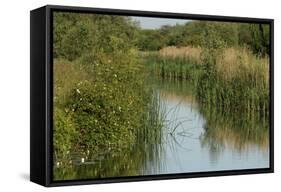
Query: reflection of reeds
(237, 131)
(172, 122)
(175, 97)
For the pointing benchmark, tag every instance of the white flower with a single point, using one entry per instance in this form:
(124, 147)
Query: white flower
(78, 91)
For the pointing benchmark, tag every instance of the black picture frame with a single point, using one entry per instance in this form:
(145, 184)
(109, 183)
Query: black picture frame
(41, 95)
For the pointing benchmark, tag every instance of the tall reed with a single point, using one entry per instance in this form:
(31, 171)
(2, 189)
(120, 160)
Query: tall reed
(237, 80)
(175, 63)
(229, 78)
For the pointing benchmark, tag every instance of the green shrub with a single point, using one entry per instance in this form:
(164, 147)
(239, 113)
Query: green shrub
(109, 107)
(101, 118)
(76, 41)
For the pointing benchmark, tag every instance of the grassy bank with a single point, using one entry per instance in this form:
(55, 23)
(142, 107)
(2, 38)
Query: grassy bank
(230, 78)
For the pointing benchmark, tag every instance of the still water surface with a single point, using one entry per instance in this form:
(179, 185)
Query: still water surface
(192, 140)
(204, 142)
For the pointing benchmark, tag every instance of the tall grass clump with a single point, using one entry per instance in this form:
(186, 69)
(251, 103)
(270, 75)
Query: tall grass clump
(151, 131)
(233, 78)
(236, 79)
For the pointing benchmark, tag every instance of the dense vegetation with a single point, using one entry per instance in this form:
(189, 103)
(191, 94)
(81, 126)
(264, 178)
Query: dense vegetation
(226, 73)
(100, 100)
(103, 103)
(253, 36)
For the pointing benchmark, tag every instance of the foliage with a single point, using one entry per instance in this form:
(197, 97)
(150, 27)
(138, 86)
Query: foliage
(254, 36)
(102, 103)
(150, 40)
(100, 97)
(108, 106)
(232, 71)
(77, 34)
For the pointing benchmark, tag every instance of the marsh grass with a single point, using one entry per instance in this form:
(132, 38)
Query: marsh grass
(234, 78)
(238, 80)
(173, 68)
(153, 120)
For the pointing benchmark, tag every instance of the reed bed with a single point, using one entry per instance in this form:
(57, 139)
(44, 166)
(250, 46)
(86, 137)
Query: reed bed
(171, 66)
(241, 62)
(231, 78)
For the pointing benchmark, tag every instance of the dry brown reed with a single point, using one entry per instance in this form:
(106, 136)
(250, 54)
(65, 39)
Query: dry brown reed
(242, 63)
(173, 51)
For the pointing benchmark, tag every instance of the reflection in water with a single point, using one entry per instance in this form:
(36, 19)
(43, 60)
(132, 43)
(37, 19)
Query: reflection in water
(236, 132)
(134, 161)
(193, 139)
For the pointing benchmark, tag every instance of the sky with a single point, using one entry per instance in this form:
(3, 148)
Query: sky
(156, 23)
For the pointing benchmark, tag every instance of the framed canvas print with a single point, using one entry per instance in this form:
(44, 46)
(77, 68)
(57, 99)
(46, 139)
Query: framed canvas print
(123, 95)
